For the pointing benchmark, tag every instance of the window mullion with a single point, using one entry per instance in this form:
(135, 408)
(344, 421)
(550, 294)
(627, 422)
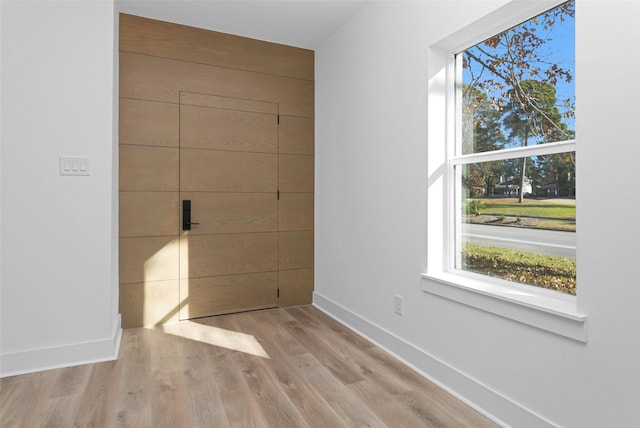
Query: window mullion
(516, 152)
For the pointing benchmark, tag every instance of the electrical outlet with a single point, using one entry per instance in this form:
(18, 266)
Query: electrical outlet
(397, 305)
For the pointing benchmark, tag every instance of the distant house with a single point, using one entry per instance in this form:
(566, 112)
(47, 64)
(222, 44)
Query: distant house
(548, 190)
(510, 186)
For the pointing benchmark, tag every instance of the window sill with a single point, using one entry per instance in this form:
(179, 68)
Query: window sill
(542, 309)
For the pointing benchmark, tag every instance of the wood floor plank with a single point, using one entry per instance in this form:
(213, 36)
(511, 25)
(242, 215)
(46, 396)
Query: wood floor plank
(342, 369)
(388, 410)
(293, 367)
(278, 409)
(280, 316)
(343, 402)
(421, 396)
(58, 411)
(71, 380)
(204, 401)
(240, 349)
(133, 402)
(343, 342)
(211, 365)
(404, 373)
(241, 408)
(315, 317)
(99, 396)
(443, 410)
(302, 393)
(169, 398)
(270, 333)
(22, 396)
(167, 385)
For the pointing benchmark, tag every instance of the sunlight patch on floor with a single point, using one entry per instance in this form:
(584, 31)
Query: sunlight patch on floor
(216, 336)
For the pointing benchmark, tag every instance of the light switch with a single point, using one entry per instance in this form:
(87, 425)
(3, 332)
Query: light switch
(74, 165)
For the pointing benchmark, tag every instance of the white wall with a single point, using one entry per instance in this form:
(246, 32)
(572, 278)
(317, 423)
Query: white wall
(371, 157)
(59, 279)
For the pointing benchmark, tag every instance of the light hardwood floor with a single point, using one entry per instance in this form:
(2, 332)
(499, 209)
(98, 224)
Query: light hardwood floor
(293, 367)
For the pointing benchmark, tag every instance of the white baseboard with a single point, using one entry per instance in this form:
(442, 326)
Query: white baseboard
(34, 360)
(482, 398)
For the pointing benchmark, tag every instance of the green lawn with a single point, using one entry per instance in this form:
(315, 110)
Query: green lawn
(564, 209)
(554, 273)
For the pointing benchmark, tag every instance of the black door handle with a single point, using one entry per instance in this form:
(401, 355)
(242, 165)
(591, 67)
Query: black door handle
(186, 215)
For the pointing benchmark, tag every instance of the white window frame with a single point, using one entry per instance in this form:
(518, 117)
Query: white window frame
(538, 307)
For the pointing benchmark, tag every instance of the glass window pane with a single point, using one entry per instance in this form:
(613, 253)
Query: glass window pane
(517, 88)
(524, 236)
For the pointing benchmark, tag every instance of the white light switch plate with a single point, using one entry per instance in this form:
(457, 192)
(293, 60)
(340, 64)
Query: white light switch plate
(74, 165)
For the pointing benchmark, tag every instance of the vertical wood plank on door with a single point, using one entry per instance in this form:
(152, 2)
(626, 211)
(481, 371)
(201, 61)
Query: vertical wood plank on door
(145, 168)
(169, 40)
(296, 212)
(227, 103)
(296, 173)
(296, 287)
(148, 213)
(296, 135)
(232, 212)
(296, 250)
(223, 129)
(148, 123)
(211, 170)
(227, 254)
(149, 303)
(162, 79)
(149, 258)
(224, 294)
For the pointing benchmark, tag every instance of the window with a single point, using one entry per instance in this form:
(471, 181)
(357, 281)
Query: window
(502, 160)
(514, 154)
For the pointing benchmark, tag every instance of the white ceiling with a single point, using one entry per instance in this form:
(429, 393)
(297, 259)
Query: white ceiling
(301, 23)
